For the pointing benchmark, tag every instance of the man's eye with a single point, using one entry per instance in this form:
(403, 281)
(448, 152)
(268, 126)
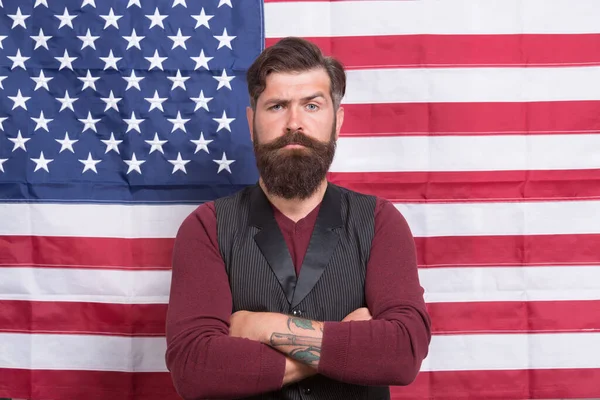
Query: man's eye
(313, 107)
(275, 107)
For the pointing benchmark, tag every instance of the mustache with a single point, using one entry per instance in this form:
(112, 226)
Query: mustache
(295, 137)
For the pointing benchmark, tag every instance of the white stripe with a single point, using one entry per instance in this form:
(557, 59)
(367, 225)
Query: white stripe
(370, 18)
(467, 153)
(427, 85)
(85, 285)
(513, 218)
(425, 219)
(510, 283)
(491, 283)
(92, 220)
(447, 353)
(502, 352)
(82, 352)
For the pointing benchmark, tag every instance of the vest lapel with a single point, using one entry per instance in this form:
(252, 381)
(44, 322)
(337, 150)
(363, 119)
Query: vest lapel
(271, 243)
(322, 243)
(321, 246)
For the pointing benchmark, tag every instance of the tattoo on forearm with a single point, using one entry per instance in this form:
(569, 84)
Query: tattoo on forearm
(305, 349)
(300, 323)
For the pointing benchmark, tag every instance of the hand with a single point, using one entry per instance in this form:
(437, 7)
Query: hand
(360, 314)
(245, 324)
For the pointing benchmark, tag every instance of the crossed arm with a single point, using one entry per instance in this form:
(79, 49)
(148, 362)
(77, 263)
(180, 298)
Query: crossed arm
(299, 339)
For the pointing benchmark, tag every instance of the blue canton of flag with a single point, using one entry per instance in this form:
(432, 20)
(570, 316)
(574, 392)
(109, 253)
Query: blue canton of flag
(126, 100)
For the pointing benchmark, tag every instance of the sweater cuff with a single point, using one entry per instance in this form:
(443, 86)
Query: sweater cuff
(334, 349)
(272, 370)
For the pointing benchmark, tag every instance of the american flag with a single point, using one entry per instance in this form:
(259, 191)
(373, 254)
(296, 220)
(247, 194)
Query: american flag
(479, 120)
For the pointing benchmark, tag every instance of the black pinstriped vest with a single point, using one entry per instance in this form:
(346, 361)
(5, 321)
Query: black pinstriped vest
(331, 281)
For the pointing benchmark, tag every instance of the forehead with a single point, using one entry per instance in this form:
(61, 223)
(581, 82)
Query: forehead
(296, 84)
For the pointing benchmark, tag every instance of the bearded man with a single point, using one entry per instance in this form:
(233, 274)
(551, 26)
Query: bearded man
(295, 288)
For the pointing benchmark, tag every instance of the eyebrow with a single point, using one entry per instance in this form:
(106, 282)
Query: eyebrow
(306, 98)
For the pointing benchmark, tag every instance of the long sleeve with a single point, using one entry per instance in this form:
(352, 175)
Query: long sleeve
(203, 360)
(389, 349)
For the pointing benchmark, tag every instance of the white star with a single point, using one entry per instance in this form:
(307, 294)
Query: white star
(134, 164)
(110, 61)
(201, 60)
(2, 37)
(224, 163)
(1, 79)
(90, 163)
(19, 100)
(157, 19)
(155, 102)
(224, 80)
(202, 19)
(134, 3)
(41, 81)
(179, 164)
(66, 19)
(111, 19)
(222, 2)
(179, 2)
(89, 122)
(88, 40)
(178, 123)
(224, 39)
(133, 81)
(88, 2)
(2, 119)
(133, 40)
(179, 40)
(155, 61)
(18, 60)
(224, 122)
(111, 101)
(156, 144)
(133, 123)
(201, 101)
(2, 161)
(89, 81)
(178, 80)
(40, 2)
(41, 122)
(201, 144)
(66, 143)
(112, 144)
(18, 18)
(41, 163)
(19, 142)
(65, 61)
(66, 102)
(40, 40)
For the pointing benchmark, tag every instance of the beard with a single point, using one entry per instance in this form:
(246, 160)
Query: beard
(294, 173)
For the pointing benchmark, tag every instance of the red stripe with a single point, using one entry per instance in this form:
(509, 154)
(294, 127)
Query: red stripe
(531, 250)
(409, 51)
(450, 251)
(88, 385)
(430, 187)
(503, 385)
(395, 119)
(77, 317)
(149, 319)
(515, 317)
(49, 251)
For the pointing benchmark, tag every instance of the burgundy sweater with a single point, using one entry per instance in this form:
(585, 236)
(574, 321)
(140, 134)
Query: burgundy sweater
(207, 363)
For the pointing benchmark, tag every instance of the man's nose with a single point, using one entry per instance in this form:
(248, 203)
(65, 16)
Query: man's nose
(293, 121)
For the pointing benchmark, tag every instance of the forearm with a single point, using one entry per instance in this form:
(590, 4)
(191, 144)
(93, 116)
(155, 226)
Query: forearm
(297, 338)
(296, 371)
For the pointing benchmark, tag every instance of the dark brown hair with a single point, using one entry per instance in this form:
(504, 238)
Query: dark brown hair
(293, 54)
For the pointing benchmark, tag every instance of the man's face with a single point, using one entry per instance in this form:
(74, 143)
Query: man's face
(294, 130)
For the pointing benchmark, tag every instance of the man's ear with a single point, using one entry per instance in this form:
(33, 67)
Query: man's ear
(250, 118)
(339, 116)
